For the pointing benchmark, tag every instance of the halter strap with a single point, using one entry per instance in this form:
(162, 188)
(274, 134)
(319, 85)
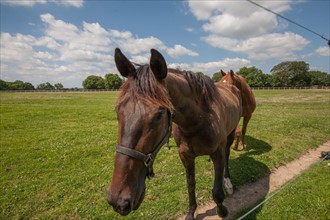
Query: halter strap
(147, 159)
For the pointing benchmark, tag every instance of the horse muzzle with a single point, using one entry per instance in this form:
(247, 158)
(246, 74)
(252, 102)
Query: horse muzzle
(124, 205)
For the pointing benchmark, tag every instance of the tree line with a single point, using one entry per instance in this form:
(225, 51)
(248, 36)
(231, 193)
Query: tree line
(110, 81)
(285, 74)
(20, 85)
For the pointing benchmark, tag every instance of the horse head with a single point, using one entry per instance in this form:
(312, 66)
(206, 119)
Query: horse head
(144, 121)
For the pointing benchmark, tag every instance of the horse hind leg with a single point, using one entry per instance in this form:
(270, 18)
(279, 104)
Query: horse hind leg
(246, 120)
(238, 135)
(218, 159)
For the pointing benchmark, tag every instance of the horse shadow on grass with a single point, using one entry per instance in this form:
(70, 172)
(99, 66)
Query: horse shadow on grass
(250, 179)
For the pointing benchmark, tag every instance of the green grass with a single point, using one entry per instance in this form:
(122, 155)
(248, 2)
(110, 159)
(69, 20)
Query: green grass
(306, 197)
(57, 150)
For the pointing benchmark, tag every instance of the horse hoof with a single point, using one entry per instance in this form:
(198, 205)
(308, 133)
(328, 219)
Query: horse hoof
(189, 217)
(245, 148)
(222, 211)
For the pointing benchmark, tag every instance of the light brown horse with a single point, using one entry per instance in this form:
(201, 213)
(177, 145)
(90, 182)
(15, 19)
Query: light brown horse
(248, 103)
(204, 120)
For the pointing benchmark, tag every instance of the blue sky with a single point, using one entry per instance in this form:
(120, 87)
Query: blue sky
(66, 41)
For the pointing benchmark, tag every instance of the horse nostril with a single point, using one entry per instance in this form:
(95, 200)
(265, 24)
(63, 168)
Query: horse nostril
(124, 208)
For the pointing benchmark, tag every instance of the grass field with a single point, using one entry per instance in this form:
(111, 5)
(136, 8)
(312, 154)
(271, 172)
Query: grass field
(305, 197)
(57, 151)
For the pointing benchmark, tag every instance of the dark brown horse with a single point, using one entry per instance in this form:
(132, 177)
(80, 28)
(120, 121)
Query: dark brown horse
(204, 120)
(248, 103)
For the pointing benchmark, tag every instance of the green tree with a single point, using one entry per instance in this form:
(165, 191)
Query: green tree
(255, 77)
(28, 86)
(17, 85)
(112, 81)
(291, 73)
(3, 85)
(58, 86)
(94, 82)
(199, 73)
(216, 77)
(319, 78)
(45, 86)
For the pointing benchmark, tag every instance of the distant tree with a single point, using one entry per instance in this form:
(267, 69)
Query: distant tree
(268, 80)
(3, 85)
(200, 74)
(216, 77)
(58, 86)
(28, 86)
(17, 85)
(112, 81)
(45, 86)
(94, 82)
(255, 77)
(291, 73)
(319, 78)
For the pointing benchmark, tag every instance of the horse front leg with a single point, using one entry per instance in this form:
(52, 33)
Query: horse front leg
(218, 159)
(227, 183)
(189, 165)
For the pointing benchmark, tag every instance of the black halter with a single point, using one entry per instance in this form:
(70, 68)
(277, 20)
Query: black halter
(147, 159)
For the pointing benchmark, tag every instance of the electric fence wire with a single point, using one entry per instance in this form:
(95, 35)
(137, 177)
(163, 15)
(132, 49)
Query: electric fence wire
(285, 18)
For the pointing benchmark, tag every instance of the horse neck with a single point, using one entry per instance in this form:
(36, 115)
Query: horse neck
(187, 111)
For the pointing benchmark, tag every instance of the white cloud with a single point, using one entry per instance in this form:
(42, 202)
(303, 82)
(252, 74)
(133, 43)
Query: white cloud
(323, 51)
(64, 52)
(190, 29)
(179, 51)
(69, 54)
(141, 59)
(31, 3)
(134, 45)
(229, 63)
(74, 3)
(209, 68)
(204, 10)
(241, 27)
(251, 31)
(137, 46)
(72, 44)
(58, 29)
(264, 47)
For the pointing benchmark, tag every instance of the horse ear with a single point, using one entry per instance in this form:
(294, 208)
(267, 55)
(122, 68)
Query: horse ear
(223, 73)
(232, 73)
(124, 66)
(158, 64)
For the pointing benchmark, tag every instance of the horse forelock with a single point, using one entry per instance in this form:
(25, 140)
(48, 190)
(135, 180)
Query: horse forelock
(146, 88)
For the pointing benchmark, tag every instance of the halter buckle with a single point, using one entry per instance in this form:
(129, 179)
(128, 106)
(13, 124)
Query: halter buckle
(149, 160)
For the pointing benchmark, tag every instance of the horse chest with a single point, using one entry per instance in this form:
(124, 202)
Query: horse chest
(203, 141)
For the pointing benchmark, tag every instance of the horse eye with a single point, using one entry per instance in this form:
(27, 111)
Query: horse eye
(159, 114)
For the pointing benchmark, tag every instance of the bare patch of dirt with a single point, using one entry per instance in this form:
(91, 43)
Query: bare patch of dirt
(248, 195)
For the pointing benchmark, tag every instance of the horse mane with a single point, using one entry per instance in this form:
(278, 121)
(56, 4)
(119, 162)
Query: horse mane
(202, 87)
(145, 87)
